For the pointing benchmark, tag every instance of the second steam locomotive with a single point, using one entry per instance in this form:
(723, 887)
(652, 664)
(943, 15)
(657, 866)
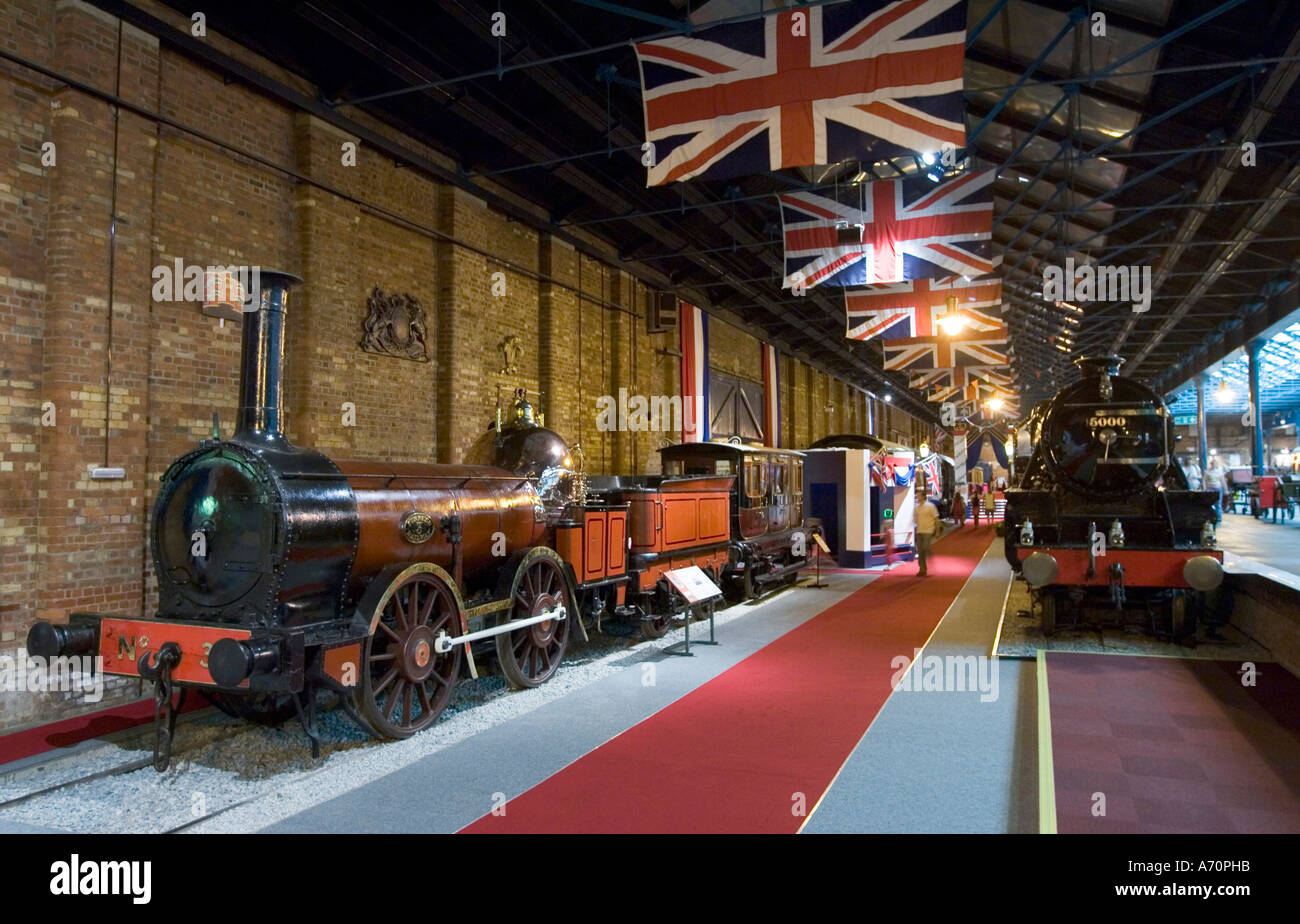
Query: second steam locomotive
(1102, 517)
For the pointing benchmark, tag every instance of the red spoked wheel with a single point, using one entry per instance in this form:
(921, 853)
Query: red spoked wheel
(405, 682)
(531, 655)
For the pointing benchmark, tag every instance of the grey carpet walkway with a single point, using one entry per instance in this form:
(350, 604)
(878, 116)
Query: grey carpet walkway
(453, 787)
(945, 761)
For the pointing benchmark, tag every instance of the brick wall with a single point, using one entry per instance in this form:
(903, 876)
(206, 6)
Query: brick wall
(136, 387)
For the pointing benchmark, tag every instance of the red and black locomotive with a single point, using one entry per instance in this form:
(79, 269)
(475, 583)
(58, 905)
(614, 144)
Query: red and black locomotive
(282, 572)
(1102, 518)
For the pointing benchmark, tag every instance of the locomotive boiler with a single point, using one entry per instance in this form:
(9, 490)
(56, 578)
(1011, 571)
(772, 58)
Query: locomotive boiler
(282, 571)
(1102, 518)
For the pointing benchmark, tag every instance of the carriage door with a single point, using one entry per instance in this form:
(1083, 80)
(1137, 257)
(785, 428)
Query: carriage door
(779, 518)
(752, 512)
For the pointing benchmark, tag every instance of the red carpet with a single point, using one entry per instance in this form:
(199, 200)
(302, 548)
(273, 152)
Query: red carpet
(1177, 746)
(732, 755)
(65, 733)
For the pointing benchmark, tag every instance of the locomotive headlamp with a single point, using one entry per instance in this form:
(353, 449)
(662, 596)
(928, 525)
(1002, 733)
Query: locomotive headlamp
(1115, 536)
(1208, 538)
(1027, 533)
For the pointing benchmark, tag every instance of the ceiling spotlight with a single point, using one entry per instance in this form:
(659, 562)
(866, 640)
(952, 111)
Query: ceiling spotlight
(934, 174)
(928, 158)
(888, 396)
(996, 404)
(952, 323)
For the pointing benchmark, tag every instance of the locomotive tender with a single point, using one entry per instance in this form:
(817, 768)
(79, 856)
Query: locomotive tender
(1102, 513)
(282, 572)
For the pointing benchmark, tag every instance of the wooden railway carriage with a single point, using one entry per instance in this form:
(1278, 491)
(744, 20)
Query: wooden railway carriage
(672, 523)
(1102, 517)
(769, 538)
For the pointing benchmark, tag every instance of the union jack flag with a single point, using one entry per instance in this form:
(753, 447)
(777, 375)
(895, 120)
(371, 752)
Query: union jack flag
(903, 229)
(913, 308)
(858, 80)
(948, 383)
(969, 348)
(971, 390)
(931, 379)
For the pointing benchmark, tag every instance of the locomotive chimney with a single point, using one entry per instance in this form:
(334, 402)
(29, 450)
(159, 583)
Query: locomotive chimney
(1099, 365)
(261, 365)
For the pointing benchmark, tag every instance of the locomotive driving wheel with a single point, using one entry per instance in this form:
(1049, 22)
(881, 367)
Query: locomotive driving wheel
(530, 655)
(405, 682)
(661, 619)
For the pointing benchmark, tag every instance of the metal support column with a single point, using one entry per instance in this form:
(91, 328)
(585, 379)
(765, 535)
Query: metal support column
(1257, 459)
(1202, 447)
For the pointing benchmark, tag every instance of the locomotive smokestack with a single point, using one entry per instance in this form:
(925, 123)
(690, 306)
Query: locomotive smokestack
(261, 365)
(1099, 365)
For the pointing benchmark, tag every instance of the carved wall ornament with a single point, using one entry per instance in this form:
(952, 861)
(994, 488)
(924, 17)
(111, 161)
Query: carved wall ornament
(396, 326)
(511, 350)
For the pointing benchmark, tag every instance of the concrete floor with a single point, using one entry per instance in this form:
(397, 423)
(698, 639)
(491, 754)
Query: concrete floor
(1276, 544)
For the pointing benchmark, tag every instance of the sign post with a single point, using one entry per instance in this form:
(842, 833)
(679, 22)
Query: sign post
(695, 588)
(817, 563)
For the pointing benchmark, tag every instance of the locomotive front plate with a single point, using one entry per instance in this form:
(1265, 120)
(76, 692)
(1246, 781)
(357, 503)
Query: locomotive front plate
(124, 642)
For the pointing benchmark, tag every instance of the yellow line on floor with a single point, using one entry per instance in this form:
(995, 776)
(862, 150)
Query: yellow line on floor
(1046, 774)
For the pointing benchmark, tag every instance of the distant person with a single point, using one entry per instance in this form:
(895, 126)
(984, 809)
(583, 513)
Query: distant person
(958, 509)
(927, 526)
(1214, 481)
(990, 503)
(1192, 472)
(975, 504)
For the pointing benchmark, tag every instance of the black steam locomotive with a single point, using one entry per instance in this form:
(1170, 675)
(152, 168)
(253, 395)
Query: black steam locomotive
(1102, 519)
(283, 572)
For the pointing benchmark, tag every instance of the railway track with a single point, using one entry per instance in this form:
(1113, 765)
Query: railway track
(144, 736)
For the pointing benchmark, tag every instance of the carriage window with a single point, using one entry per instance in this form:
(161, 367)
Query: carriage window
(779, 476)
(722, 467)
(755, 478)
(673, 467)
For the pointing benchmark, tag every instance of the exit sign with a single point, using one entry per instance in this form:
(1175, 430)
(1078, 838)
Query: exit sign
(1185, 420)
